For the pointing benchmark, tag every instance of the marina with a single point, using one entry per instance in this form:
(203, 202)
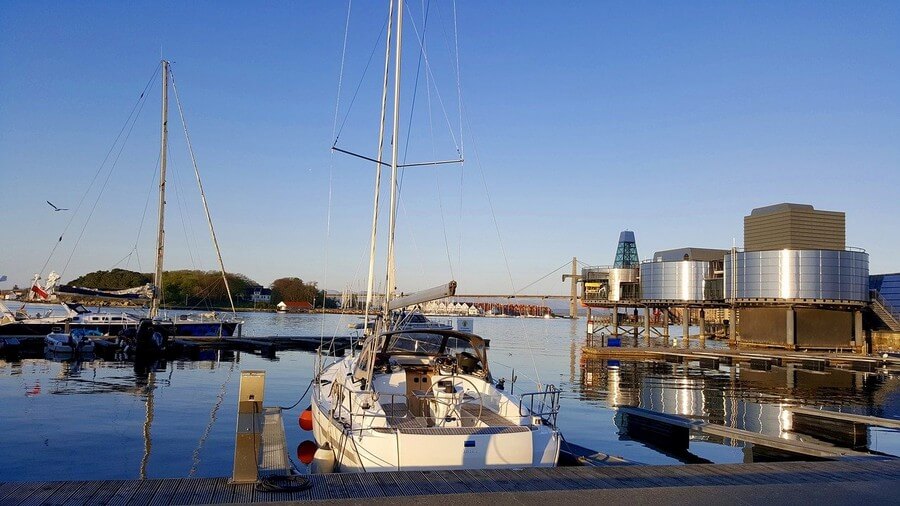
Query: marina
(724, 326)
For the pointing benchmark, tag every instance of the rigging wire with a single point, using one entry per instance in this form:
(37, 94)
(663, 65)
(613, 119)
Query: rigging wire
(112, 169)
(212, 230)
(433, 80)
(102, 164)
(336, 132)
(462, 165)
(179, 201)
(195, 457)
(334, 135)
(137, 238)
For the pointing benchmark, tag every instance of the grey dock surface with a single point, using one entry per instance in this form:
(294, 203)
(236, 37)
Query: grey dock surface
(858, 481)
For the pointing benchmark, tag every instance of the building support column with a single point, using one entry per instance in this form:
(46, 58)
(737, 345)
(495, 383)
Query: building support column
(733, 326)
(647, 324)
(859, 337)
(666, 326)
(702, 328)
(590, 325)
(791, 329)
(686, 326)
(614, 320)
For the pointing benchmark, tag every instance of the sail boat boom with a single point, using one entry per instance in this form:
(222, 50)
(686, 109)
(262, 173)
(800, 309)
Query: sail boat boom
(438, 292)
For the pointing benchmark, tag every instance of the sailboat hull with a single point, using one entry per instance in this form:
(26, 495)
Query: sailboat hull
(182, 329)
(381, 449)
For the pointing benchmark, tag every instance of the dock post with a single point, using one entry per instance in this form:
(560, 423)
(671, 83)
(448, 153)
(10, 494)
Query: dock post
(249, 427)
(791, 329)
(647, 324)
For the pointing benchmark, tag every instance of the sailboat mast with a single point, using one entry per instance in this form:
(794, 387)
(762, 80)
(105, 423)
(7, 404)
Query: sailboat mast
(161, 233)
(370, 287)
(395, 148)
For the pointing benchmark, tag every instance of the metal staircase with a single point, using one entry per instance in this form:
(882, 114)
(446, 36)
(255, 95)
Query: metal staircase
(884, 311)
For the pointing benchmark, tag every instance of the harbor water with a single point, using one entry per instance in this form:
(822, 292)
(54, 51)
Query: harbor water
(98, 419)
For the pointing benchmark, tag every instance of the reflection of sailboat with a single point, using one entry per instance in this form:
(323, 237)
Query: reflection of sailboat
(424, 398)
(145, 376)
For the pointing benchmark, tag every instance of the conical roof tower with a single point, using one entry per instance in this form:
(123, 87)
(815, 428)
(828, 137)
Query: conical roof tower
(626, 253)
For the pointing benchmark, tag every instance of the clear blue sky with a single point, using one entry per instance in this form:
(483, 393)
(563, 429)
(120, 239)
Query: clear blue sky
(671, 119)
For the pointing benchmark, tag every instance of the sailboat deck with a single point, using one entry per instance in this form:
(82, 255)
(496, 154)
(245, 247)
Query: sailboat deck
(400, 418)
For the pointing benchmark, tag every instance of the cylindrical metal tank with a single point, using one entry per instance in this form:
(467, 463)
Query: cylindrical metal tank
(680, 281)
(616, 278)
(798, 274)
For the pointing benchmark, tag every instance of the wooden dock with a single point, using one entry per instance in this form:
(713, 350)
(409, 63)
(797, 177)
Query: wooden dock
(869, 481)
(756, 357)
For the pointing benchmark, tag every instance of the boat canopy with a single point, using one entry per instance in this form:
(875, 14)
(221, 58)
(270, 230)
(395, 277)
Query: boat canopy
(424, 343)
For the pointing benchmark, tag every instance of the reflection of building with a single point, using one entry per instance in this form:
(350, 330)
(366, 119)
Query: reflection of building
(737, 396)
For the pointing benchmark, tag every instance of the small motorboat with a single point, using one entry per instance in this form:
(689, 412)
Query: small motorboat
(66, 343)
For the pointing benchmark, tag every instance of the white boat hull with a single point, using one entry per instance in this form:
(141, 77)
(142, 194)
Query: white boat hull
(373, 450)
(59, 343)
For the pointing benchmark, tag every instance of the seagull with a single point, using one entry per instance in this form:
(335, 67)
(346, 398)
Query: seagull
(56, 208)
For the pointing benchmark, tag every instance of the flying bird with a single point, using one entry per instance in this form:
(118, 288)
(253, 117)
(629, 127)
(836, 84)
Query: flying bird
(56, 208)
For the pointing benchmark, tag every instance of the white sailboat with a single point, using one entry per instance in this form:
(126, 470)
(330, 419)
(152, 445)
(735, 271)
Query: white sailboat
(423, 398)
(80, 320)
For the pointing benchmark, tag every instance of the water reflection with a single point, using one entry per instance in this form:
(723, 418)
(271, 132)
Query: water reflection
(737, 396)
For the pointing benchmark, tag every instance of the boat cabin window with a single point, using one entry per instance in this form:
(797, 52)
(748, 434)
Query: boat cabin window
(418, 343)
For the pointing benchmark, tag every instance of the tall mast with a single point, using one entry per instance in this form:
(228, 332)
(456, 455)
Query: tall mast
(395, 145)
(161, 233)
(387, 64)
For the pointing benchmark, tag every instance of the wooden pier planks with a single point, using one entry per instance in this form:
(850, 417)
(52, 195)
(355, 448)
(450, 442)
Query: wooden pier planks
(869, 472)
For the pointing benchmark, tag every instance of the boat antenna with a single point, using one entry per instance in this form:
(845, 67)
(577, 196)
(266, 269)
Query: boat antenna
(161, 233)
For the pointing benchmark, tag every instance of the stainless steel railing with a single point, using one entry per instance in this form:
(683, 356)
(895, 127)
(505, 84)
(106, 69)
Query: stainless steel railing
(543, 404)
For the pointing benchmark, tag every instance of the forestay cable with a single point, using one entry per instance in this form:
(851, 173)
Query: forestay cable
(100, 168)
(212, 231)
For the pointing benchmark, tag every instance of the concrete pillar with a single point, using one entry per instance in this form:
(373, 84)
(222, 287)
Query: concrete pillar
(702, 328)
(647, 325)
(732, 325)
(791, 329)
(573, 290)
(859, 338)
(666, 326)
(686, 326)
(615, 321)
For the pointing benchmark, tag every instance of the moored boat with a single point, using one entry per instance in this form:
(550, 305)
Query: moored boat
(67, 343)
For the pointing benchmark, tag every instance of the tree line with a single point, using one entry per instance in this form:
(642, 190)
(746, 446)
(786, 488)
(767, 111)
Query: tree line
(196, 288)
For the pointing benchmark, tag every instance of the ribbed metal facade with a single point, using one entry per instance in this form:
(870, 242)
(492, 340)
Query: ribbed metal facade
(678, 281)
(838, 275)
